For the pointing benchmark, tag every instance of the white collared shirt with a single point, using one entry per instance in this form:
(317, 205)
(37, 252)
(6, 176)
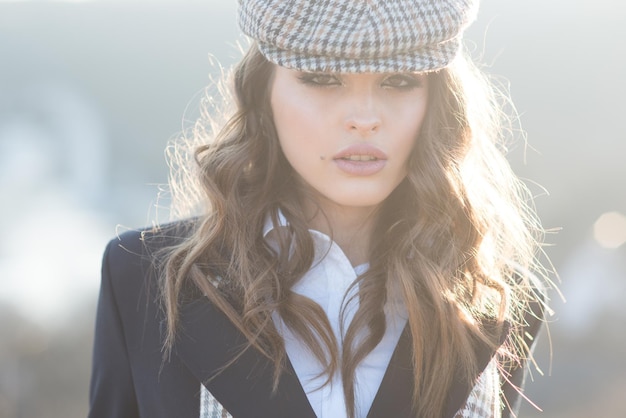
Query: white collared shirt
(326, 283)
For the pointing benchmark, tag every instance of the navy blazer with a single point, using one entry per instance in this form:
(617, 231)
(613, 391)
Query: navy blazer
(130, 378)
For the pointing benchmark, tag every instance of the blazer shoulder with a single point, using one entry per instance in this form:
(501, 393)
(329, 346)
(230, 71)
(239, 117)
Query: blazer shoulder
(139, 253)
(137, 241)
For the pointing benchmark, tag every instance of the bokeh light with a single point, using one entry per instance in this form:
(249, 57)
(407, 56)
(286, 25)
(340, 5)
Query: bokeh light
(610, 230)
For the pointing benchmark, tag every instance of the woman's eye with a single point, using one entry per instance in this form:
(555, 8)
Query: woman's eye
(319, 79)
(403, 81)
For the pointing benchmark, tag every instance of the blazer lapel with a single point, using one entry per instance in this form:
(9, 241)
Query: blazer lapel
(208, 340)
(396, 389)
(393, 398)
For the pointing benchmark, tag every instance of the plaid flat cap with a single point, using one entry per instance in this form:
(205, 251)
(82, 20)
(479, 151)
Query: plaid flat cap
(356, 36)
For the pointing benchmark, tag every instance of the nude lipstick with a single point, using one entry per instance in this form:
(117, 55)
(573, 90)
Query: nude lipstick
(360, 160)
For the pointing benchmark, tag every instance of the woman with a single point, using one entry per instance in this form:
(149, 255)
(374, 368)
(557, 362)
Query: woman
(363, 248)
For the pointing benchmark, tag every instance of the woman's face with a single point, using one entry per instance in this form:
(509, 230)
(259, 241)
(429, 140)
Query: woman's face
(348, 136)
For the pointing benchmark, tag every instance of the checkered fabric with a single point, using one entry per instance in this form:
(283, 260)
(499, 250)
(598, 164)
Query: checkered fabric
(484, 399)
(357, 36)
(210, 407)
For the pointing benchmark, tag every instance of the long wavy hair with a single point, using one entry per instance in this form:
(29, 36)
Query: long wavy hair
(457, 240)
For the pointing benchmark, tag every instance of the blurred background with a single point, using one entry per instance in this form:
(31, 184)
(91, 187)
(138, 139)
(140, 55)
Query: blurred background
(91, 91)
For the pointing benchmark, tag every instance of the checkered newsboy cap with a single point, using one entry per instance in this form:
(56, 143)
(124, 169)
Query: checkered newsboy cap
(355, 36)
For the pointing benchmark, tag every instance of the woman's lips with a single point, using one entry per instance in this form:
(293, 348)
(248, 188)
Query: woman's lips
(360, 160)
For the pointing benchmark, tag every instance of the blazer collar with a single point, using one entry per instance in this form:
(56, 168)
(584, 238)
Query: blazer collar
(394, 395)
(208, 340)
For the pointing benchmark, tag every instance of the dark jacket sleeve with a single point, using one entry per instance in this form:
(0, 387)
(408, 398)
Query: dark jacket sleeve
(112, 391)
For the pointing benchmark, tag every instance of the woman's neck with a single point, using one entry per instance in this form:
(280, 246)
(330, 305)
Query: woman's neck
(350, 228)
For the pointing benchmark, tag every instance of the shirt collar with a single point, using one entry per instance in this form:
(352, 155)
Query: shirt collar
(269, 224)
(322, 241)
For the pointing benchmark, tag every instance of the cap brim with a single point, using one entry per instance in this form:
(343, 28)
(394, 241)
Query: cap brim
(426, 59)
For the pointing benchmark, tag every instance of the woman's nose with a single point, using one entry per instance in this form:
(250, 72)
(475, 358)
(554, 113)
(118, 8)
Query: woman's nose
(363, 115)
